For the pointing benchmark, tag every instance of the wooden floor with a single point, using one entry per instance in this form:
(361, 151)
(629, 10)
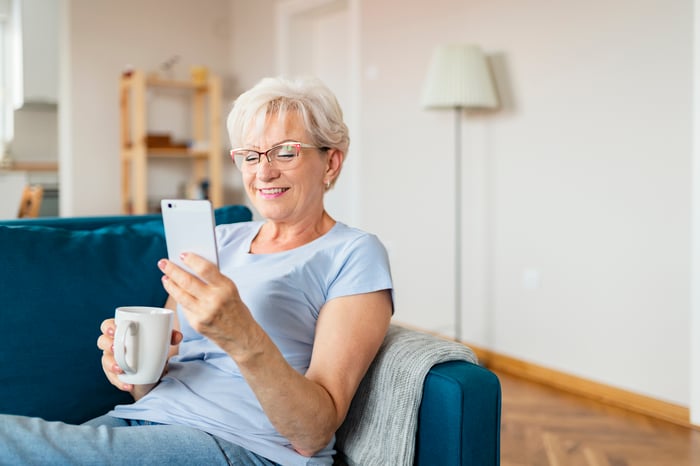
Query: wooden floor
(542, 426)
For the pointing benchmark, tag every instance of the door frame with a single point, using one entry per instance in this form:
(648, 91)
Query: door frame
(285, 12)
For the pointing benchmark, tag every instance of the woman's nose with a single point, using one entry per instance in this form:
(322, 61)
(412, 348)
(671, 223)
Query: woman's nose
(266, 170)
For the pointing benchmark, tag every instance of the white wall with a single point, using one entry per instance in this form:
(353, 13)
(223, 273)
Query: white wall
(583, 177)
(103, 38)
(36, 65)
(695, 248)
(576, 193)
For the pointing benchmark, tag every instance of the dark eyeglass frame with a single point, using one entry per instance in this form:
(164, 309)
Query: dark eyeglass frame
(241, 156)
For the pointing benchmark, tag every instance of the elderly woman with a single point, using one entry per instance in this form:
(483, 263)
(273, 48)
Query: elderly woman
(270, 348)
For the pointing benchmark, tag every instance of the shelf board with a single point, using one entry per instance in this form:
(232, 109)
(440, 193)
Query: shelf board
(32, 166)
(167, 153)
(155, 81)
(176, 152)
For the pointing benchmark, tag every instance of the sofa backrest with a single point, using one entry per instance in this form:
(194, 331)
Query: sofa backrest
(59, 279)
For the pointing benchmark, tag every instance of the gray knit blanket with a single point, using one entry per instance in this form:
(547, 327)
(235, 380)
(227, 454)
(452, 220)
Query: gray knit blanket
(380, 428)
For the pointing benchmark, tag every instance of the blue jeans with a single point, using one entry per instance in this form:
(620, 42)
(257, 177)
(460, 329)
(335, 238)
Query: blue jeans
(111, 441)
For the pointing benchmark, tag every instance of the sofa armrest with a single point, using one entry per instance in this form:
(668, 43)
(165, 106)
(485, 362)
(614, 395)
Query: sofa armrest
(459, 417)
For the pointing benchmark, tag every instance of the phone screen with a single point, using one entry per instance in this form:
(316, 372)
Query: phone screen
(189, 227)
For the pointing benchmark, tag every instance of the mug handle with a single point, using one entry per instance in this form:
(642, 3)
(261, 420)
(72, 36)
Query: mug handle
(126, 327)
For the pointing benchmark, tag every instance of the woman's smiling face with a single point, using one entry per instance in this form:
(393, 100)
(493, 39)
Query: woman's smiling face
(281, 194)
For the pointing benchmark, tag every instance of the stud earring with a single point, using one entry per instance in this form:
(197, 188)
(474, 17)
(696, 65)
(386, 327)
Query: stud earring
(328, 185)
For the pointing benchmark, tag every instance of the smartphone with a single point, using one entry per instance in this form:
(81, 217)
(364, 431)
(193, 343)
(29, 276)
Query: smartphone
(189, 227)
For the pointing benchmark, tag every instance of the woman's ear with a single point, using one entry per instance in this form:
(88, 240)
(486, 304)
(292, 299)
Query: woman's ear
(334, 164)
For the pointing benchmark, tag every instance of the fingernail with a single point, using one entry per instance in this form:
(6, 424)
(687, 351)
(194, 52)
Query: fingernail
(110, 332)
(183, 255)
(161, 264)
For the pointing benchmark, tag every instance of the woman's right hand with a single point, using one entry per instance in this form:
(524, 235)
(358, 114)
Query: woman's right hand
(109, 364)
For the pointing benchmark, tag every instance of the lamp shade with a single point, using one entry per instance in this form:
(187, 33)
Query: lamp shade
(459, 76)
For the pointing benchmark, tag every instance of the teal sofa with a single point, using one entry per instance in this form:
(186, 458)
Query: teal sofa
(61, 277)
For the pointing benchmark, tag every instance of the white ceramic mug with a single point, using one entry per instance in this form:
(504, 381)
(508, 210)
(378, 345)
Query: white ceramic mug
(142, 342)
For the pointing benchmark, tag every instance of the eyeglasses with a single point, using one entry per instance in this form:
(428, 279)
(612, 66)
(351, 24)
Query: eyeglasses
(285, 155)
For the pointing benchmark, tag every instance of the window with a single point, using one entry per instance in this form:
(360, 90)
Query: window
(6, 106)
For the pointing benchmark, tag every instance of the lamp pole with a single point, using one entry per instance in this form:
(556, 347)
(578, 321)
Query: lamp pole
(458, 224)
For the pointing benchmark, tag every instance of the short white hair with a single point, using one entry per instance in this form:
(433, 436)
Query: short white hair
(307, 97)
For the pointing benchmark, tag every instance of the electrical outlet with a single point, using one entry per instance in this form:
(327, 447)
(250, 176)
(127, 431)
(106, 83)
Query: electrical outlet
(532, 279)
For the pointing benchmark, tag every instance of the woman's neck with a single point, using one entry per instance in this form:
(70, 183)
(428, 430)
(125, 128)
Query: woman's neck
(278, 236)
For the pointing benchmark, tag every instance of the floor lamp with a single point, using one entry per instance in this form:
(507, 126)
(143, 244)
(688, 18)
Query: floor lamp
(459, 78)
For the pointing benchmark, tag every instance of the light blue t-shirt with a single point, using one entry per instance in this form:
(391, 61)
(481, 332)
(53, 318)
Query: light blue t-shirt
(285, 292)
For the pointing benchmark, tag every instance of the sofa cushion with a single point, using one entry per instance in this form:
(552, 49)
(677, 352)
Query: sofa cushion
(57, 287)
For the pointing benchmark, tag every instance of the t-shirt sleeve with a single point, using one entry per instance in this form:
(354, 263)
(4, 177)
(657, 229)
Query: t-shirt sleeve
(362, 267)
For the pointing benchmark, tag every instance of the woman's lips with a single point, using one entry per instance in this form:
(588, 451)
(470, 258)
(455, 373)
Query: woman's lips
(271, 193)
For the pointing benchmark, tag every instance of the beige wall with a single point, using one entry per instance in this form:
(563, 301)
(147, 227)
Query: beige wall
(582, 179)
(576, 194)
(101, 38)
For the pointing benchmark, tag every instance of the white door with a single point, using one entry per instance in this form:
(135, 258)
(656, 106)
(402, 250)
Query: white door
(317, 37)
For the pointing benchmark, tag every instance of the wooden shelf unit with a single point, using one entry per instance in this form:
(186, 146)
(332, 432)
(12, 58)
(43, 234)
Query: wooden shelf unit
(206, 133)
